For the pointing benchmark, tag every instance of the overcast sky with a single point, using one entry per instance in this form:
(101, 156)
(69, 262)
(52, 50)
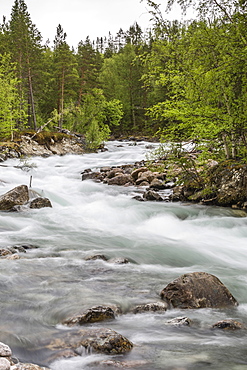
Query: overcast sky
(82, 18)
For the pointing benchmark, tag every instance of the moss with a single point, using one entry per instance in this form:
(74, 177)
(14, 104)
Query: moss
(43, 137)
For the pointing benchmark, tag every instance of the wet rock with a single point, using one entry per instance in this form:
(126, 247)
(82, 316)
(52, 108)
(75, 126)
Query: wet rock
(91, 176)
(101, 340)
(120, 180)
(95, 257)
(153, 196)
(17, 196)
(228, 325)
(137, 172)
(5, 350)
(146, 176)
(179, 321)
(114, 172)
(198, 290)
(109, 342)
(150, 307)
(139, 198)
(157, 184)
(118, 260)
(94, 314)
(40, 202)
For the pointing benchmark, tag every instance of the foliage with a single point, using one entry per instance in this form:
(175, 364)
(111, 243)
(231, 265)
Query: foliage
(10, 109)
(187, 81)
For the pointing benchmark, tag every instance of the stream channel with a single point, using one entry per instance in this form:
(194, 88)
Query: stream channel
(162, 240)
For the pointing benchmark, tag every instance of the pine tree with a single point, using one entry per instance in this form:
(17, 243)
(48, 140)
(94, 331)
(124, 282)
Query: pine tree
(24, 43)
(64, 72)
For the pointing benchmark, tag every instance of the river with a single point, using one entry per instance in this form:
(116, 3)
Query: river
(162, 241)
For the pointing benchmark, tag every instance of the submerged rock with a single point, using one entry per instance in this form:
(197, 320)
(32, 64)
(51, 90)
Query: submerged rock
(96, 257)
(15, 197)
(118, 260)
(228, 325)
(198, 290)
(94, 314)
(150, 307)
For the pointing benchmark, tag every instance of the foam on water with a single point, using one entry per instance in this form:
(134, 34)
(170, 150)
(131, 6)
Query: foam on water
(162, 241)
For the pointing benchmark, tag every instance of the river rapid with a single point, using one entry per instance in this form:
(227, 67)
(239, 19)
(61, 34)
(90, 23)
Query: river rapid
(162, 241)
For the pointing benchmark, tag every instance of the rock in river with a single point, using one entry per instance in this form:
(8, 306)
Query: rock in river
(198, 290)
(101, 340)
(94, 314)
(15, 197)
(40, 203)
(228, 325)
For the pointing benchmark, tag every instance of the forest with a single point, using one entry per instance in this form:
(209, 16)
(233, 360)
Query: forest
(179, 81)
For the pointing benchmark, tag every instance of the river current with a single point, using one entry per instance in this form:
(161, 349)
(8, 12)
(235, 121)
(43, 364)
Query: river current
(162, 241)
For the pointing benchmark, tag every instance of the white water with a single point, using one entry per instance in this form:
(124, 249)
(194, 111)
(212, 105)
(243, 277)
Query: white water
(162, 241)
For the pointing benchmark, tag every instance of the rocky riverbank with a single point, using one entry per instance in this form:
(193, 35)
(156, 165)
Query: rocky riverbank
(220, 184)
(42, 144)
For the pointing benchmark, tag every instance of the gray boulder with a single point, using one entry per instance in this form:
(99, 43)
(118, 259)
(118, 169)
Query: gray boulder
(198, 290)
(15, 197)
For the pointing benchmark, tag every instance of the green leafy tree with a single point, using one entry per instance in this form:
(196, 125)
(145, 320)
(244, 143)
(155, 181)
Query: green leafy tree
(121, 79)
(10, 112)
(89, 63)
(24, 45)
(65, 74)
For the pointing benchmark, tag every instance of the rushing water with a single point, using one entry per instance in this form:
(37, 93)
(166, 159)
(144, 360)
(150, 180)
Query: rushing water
(162, 241)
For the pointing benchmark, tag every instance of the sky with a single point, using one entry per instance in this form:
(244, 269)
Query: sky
(82, 18)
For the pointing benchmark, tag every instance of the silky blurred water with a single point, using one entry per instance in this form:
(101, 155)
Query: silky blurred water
(162, 241)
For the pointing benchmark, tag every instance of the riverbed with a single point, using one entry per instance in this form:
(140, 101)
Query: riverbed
(162, 241)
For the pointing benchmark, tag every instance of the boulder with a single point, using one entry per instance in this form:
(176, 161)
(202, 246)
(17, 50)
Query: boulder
(228, 325)
(150, 307)
(15, 197)
(100, 340)
(107, 341)
(137, 171)
(152, 195)
(147, 176)
(121, 179)
(115, 171)
(5, 350)
(40, 202)
(94, 314)
(198, 290)
(157, 184)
